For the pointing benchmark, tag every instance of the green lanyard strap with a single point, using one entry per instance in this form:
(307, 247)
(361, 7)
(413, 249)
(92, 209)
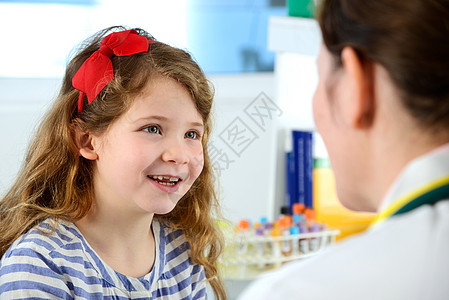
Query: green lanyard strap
(430, 197)
(430, 193)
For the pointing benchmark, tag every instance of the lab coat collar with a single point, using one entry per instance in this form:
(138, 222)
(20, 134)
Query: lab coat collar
(428, 168)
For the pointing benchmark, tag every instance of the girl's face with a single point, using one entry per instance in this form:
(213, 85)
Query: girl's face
(152, 154)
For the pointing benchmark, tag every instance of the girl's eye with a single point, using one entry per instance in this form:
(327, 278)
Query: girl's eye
(192, 135)
(152, 129)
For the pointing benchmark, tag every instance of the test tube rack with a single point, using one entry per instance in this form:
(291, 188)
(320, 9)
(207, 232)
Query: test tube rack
(254, 262)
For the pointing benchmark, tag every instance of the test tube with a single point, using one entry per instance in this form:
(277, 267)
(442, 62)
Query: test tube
(309, 214)
(304, 243)
(276, 245)
(315, 242)
(260, 247)
(284, 225)
(242, 237)
(242, 243)
(268, 227)
(294, 231)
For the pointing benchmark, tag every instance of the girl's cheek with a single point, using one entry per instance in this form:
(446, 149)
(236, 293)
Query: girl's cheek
(198, 163)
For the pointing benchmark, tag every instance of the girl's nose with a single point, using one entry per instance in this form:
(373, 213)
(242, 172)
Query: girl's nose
(175, 152)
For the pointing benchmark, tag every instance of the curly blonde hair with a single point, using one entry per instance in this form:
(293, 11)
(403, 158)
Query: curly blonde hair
(55, 182)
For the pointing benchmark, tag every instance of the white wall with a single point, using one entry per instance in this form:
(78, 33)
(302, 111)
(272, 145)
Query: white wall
(247, 183)
(22, 103)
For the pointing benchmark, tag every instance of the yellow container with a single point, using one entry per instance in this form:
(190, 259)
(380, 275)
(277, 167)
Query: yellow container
(328, 208)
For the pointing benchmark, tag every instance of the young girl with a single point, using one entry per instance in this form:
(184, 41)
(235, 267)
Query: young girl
(115, 198)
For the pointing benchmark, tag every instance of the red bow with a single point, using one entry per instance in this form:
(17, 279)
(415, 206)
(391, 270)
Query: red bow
(96, 72)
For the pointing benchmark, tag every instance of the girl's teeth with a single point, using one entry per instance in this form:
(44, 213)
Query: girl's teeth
(173, 180)
(166, 183)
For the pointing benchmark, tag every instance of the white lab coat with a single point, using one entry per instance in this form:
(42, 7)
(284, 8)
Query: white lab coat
(404, 257)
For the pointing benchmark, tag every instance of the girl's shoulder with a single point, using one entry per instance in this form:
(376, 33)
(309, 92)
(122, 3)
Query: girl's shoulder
(39, 258)
(48, 236)
(44, 261)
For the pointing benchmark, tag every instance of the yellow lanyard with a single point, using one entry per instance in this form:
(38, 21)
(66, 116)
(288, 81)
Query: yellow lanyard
(430, 193)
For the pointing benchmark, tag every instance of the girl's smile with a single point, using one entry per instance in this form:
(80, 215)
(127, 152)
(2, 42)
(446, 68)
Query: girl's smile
(166, 183)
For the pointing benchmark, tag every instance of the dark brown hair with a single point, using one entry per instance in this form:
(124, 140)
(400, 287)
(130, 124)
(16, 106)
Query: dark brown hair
(409, 38)
(56, 182)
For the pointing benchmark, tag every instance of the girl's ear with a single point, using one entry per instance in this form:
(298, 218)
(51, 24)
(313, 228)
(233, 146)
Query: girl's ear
(359, 100)
(83, 141)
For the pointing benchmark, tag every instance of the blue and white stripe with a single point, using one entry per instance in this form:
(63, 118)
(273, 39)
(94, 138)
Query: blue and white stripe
(62, 265)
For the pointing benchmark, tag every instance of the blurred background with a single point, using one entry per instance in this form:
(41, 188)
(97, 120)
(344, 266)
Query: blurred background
(225, 36)
(259, 54)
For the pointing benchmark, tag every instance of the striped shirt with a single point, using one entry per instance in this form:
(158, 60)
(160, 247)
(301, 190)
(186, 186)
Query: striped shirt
(62, 265)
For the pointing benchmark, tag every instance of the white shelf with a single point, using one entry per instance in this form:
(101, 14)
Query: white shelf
(295, 35)
(297, 42)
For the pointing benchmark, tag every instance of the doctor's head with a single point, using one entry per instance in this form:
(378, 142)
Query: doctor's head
(383, 77)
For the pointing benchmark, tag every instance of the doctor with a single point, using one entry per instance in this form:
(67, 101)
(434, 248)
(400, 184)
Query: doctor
(382, 108)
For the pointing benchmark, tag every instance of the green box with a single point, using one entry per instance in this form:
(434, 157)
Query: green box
(301, 8)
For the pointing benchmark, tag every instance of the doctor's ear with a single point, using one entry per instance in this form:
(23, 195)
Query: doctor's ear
(83, 140)
(360, 106)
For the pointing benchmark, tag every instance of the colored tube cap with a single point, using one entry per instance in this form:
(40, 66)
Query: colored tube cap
(243, 224)
(298, 208)
(294, 230)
